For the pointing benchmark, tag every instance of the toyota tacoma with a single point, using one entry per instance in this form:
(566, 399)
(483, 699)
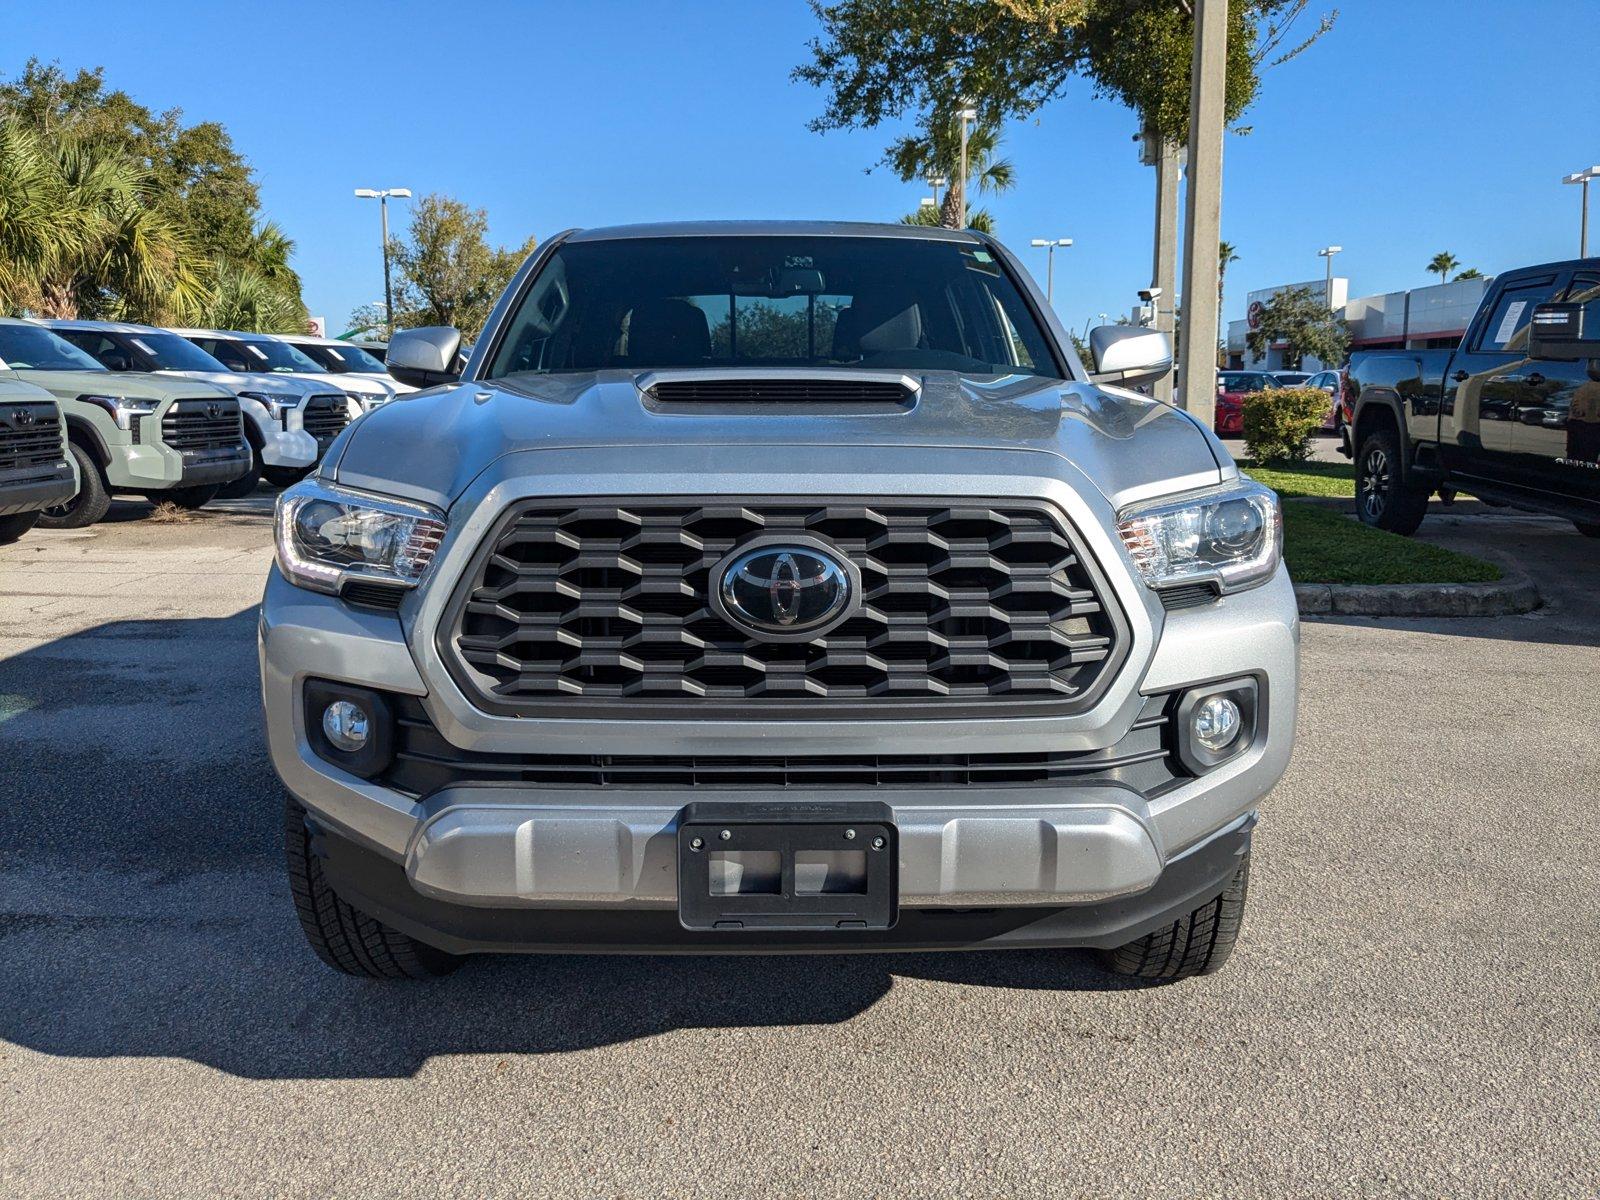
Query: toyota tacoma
(775, 588)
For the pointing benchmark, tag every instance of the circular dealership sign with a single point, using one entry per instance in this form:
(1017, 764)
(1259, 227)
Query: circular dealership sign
(1253, 314)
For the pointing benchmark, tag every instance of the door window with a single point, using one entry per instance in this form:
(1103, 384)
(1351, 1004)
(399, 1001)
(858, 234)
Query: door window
(1506, 330)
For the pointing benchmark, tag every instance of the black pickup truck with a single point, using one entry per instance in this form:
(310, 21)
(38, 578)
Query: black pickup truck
(1512, 415)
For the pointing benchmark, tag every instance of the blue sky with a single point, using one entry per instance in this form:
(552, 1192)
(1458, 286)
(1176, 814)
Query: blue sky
(1415, 126)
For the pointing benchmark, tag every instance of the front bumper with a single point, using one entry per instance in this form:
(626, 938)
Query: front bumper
(29, 489)
(282, 445)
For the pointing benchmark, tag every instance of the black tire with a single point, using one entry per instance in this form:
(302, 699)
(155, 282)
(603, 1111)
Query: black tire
(1587, 528)
(1198, 944)
(342, 935)
(282, 477)
(91, 503)
(1384, 498)
(241, 487)
(14, 526)
(189, 497)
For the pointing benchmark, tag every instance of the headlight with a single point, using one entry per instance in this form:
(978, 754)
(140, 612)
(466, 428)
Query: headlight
(1231, 536)
(327, 535)
(277, 404)
(123, 409)
(367, 400)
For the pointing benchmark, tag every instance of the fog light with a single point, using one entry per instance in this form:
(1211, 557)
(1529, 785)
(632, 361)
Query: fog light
(348, 727)
(1216, 723)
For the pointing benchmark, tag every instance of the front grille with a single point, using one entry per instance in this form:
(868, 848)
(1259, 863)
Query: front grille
(797, 390)
(600, 605)
(202, 425)
(1143, 760)
(30, 436)
(325, 417)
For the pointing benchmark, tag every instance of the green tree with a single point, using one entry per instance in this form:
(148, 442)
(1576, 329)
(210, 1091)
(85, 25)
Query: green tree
(240, 296)
(1470, 273)
(1442, 264)
(980, 219)
(938, 152)
(197, 181)
(1302, 321)
(882, 60)
(1227, 255)
(448, 274)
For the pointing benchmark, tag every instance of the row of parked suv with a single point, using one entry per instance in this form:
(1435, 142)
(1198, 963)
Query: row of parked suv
(89, 409)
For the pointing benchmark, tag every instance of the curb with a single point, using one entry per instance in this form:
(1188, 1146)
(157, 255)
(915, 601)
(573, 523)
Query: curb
(1515, 593)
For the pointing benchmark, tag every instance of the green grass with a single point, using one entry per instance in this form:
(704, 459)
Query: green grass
(1324, 546)
(1336, 480)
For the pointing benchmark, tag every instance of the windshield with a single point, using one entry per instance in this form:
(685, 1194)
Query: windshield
(30, 348)
(342, 360)
(249, 354)
(1290, 377)
(1235, 381)
(870, 302)
(170, 352)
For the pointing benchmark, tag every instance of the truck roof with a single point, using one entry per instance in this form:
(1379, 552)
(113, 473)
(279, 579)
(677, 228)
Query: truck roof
(681, 229)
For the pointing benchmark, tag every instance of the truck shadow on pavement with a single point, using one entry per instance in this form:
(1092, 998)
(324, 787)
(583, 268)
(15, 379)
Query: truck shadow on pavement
(144, 913)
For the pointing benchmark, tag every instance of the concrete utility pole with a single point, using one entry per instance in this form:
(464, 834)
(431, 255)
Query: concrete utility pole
(1203, 227)
(1166, 158)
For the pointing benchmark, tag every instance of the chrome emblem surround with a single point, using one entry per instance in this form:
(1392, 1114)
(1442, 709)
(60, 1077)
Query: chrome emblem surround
(785, 589)
(23, 416)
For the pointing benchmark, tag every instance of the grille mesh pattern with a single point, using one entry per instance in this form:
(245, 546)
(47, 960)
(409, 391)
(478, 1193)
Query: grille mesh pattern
(325, 417)
(189, 425)
(25, 443)
(581, 600)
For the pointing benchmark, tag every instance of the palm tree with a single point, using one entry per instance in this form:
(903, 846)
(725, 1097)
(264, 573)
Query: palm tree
(980, 219)
(241, 296)
(1469, 273)
(1442, 264)
(938, 152)
(1226, 253)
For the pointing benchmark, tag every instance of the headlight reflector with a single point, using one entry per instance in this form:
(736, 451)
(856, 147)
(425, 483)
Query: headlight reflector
(123, 408)
(1232, 536)
(327, 535)
(277, 404)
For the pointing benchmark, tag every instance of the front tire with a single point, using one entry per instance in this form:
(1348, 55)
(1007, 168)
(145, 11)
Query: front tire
(241, 487)
(1385, 499)
(14, 526)
(343, 936)
(282, 477)
(91, 503)
(189, 497)
(1198, 944)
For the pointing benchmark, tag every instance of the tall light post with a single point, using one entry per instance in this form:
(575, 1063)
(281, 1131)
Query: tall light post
(1582, 178)
(936, 182)
(1050, 264)
(968, 114)
(382, 197)
(1328, 252)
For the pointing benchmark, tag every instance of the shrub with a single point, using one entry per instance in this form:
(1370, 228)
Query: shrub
(1279, 422)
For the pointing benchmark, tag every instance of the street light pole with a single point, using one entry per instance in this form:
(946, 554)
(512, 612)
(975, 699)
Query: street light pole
(1582, 178)
(1328, 252)
(935, 182)
(967, 114)
(1050, 264)
(382, 197)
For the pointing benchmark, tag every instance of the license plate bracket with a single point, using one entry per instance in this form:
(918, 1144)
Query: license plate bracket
(795, 866)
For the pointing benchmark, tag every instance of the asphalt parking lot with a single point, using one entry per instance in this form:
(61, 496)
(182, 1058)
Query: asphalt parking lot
(1414, 1008)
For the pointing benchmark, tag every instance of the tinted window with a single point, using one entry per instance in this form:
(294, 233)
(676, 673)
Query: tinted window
(1585, 290)
(1506, 330)
(30, 348)
(170, 352)
(1244, 381)
(895, 303)
(252, 354)
(340, 360)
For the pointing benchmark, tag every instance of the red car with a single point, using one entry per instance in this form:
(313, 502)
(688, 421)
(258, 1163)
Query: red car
(1232, 388)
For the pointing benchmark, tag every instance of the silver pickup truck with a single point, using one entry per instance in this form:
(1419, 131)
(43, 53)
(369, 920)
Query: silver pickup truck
(775, 587)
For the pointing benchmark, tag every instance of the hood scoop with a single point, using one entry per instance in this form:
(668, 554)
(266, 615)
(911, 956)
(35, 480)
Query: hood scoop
(810, 392)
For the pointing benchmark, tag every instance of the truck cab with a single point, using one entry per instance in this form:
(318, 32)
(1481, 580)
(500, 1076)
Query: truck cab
(1507, 416)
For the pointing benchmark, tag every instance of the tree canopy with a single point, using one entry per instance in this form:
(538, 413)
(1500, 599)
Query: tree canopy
(1302, 321)
(187, 203)
(883, 60)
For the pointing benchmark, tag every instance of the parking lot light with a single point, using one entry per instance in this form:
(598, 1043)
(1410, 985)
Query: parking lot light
(1050, 263)
(1582, 178)
(381, 195)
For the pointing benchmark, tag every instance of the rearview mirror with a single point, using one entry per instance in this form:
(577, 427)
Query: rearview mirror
(1557, 333)
(425, 357)
(1129, 354)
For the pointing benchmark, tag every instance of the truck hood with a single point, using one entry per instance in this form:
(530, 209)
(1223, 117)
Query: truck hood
(247, 381)
(71, 384)
(431, 447)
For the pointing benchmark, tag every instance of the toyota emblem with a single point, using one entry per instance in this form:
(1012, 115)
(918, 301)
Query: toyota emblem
(785, 590)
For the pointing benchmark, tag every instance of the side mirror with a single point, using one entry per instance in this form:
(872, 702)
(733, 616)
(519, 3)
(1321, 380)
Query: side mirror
(1129, 354)
(425, 357)
(1557, 334)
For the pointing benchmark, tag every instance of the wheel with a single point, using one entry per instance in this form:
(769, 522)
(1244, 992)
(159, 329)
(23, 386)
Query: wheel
(1197, 944)
(188, 497)
(282, 477)
(13, 527)
(1384, 499)
(1587, 528)
(91, 503)
(246, 483)
(342, 935)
